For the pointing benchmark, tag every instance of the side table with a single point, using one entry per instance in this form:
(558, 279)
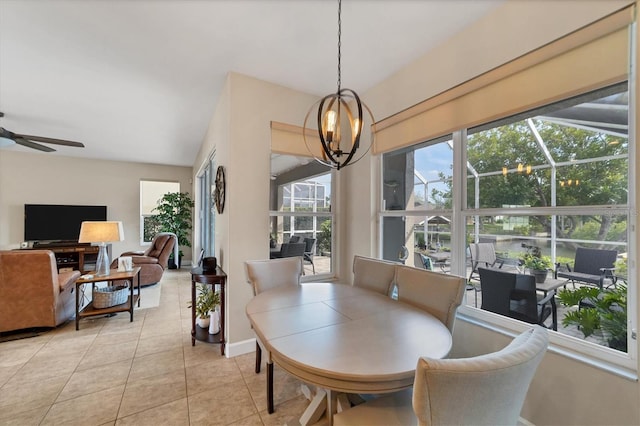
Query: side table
(213, 278)
(89, 311)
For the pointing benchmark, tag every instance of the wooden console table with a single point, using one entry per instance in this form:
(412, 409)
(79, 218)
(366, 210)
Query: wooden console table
(213, 278)
(78, 257)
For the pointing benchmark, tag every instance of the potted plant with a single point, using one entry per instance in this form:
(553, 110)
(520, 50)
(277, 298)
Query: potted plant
(206, 302)
(174, 215)
(538, 266)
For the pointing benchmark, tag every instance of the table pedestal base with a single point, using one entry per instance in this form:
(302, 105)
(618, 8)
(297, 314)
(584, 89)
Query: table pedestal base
(324, 400)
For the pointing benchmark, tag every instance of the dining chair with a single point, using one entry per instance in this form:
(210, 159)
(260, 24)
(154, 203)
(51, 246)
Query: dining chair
(374, 274)
(422, 261)
(487, 389)
(264, 275)
(483, 254)
(437, 293)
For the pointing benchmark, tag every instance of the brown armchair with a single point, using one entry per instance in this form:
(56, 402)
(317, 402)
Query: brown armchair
(154, 260)
(32, 292)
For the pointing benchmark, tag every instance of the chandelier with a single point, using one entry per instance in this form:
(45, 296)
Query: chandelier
(340, 120)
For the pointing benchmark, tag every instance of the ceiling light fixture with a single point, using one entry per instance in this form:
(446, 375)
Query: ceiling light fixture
(340, 121)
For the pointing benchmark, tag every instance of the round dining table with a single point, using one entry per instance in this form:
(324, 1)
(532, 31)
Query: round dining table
(342, 338)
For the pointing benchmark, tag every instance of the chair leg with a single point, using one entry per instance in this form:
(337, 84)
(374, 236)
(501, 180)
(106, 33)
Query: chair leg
(270, 408)
(258, 357)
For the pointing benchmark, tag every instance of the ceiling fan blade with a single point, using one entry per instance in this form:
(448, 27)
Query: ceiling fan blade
(22, 141)
(52, 140)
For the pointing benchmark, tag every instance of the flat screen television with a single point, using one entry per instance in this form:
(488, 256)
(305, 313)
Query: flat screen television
(54, 222)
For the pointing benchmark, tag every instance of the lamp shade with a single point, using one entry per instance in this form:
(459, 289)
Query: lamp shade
(101, 232)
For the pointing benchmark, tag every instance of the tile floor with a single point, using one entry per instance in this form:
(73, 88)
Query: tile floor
(116, 372)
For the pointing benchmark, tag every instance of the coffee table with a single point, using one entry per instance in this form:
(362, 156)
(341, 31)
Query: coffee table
(132, 276)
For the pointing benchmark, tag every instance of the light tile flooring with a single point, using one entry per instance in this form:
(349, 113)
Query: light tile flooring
(116, 372)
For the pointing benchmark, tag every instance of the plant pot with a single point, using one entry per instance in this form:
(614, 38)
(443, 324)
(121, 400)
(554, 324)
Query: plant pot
(171, 264)
(203, 322)
(540, 275)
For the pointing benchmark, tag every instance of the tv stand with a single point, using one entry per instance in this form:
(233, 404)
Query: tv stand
(72, 255)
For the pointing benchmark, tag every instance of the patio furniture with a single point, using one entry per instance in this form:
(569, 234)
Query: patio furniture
(309, 248)
(483, 390)
(591, 266)
(483, 254)
(288, 250)
(264, 275)
(422, 261)
(515, 296)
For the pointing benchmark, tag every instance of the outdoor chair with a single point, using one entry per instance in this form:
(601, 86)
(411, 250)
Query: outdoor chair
(264, 275)
(289, 250)
(309, 248)
(487, 389)
(591, 266)
(515, 296)
(421, 261)
(483, 254)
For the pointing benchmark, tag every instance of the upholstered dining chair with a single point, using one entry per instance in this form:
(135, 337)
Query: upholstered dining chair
(437, 293)
(483, 390)
(374, 274)
(264, 275)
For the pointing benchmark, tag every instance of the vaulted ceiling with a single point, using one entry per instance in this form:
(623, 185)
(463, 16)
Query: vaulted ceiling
(138, 80)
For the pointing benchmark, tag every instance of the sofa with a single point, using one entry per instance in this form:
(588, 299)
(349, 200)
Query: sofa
(154, 260)
(33, 294)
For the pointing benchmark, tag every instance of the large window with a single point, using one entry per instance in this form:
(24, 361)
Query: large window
(150, 193)
(548, 181)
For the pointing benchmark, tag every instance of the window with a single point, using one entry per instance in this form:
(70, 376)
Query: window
(150, 193)
(301, 196)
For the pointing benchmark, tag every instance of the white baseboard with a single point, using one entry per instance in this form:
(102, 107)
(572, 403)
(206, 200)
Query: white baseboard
(240, 348)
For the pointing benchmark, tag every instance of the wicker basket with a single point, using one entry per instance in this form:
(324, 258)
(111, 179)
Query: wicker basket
(107, 297)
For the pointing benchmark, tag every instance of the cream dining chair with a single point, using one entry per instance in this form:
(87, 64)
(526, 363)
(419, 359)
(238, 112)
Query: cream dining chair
(374, 274)
(264, 275)
(484, 390)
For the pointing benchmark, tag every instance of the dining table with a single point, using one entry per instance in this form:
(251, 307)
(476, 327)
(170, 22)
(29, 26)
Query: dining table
(343, 340)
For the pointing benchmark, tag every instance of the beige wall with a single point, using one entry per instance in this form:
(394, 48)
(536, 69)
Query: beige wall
(50, 179)
(240, 133)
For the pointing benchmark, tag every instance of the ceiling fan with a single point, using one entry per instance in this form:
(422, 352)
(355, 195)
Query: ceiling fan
(8, 138)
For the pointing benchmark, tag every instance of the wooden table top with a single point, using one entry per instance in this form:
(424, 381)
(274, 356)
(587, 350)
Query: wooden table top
(346, 338)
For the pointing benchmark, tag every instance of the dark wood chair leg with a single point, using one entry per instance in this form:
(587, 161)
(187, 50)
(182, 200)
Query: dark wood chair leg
(270, 409)
(258, 357)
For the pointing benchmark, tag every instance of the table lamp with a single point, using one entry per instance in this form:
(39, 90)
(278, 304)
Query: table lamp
(101, 232)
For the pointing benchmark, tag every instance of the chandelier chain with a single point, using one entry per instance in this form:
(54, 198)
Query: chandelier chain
(339, 42)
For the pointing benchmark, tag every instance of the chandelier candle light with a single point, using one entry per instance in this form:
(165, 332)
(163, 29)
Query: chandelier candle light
(338, 151)
(101, 232)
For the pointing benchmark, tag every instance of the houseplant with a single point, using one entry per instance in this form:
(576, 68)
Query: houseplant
(206, 302)
(174, 215)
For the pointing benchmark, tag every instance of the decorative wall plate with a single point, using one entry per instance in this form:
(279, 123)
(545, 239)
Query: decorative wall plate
(220, 189)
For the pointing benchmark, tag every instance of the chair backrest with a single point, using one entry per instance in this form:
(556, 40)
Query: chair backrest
(439, 294)
(589, 261)
(374, 274)
(483, 253)
(484, 390)
(292, 249)
(501, 289)
(161, 247)
(267, 274)
(309, 243)
(294, 238)
(422, 261)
